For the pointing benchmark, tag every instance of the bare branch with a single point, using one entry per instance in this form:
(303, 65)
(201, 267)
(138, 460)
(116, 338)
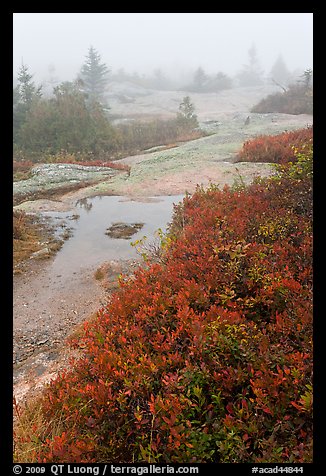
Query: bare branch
(280, 85)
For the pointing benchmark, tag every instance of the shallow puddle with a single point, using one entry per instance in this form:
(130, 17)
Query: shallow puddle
(90, 246)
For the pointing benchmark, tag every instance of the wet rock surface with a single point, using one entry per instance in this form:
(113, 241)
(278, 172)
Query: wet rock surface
(52, 177)
(47, 310)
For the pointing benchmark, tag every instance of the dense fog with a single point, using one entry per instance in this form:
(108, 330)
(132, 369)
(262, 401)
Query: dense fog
(54, 45)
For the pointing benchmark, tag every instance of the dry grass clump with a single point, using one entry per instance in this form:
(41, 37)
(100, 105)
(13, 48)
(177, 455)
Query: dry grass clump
(99, 274)
(28, 418)
(26, 237)
(32, 240)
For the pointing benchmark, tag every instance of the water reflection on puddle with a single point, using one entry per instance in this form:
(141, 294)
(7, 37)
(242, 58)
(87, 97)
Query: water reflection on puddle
(89, 246)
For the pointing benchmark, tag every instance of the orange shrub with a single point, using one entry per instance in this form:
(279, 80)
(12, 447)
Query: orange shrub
(207, 357)
(279, 149)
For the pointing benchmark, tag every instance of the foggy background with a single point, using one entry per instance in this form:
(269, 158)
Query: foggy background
(56, 44)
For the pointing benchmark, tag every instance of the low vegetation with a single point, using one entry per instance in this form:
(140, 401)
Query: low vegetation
(68, 124)
(26, 236)
(129, 139)
(204, 355)
(32, 239)
(280, 149)
(139, 136)
(297, 98)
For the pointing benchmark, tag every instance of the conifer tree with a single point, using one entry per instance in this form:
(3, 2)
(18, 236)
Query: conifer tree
(199, 79)
(279, 71)
(94, 76)
(26, 87)
(25, 94)
(186, 116)
(251, 74)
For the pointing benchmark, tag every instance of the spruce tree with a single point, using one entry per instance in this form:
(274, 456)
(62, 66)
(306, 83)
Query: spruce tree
(186, 117)
(279, 72)
(28, 92)
(200, 79)
(94, 76)
(25, 94)
(251, 74)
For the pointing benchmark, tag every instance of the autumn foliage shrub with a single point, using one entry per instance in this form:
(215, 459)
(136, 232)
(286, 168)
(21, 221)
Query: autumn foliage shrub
(206, 356)
(280, 149)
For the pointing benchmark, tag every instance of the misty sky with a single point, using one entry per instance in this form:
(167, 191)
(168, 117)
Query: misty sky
(174, 42)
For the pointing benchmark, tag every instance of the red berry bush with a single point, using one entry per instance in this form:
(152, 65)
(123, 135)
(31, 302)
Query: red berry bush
(205, 356)
(279, 149)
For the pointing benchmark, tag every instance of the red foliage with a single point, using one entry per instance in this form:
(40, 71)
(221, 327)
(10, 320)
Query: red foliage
(207, 357)
(279, 149)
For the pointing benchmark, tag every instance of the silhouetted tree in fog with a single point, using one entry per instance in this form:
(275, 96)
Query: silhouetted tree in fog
(200, 79)
(219, 82)
(251, 74)
(94, 76)
(306, 78)
(279, 72)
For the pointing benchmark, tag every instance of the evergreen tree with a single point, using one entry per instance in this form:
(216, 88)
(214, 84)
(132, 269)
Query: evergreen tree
(94, 76)
(65, 123)
(25, 94)
(16, 115)
(306, 78)
(186, 117)
(52, 81)
(28, 92)
(218, 83)
(200, 79)
(279, 71)
(251, 74)
(160, 81)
